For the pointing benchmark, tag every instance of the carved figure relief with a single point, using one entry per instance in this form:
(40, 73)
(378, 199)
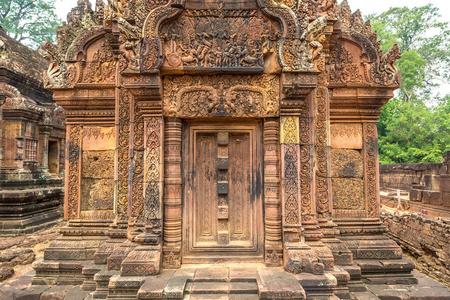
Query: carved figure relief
(102, 67)
(342, 69)
(221, 96)
(218, 38)
(300, 54)
(322, 7)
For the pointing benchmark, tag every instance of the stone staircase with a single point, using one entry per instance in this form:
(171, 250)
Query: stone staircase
(202, 290)
(218, 282)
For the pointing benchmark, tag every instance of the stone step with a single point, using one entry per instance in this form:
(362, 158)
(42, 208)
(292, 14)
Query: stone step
(222, 297)
(209, 287)
(275, 283)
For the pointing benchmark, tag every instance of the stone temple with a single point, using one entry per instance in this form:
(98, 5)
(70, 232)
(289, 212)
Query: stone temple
(239, 135)
(32, 133)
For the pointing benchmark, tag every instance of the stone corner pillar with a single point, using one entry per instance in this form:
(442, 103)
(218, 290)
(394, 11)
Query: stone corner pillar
(296, 172)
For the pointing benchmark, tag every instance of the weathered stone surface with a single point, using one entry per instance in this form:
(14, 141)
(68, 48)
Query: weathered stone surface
(24, 258)
(415, 195)
(346, 163)
(276, 284)
(444, 183)
(418, 234)
(346, 136)
(446, 199)
(348, 193)
(5, 273)
(432, 197)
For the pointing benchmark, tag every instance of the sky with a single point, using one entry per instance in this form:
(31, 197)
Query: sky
(366, 6)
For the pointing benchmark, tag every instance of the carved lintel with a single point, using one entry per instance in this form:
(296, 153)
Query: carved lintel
(221, 96)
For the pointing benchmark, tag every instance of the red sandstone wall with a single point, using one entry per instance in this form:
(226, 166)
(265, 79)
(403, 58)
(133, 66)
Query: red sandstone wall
(425, 238)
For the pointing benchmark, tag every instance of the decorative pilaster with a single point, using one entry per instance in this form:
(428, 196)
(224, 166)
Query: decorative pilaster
(172, 194)
(371, 169)
(322, 145)
(73, 171)
(290, 192)
(272, 201)
(44, 159)
(123, 152)
(136, 205)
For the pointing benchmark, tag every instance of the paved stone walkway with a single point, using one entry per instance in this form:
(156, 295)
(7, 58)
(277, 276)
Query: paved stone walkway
(229, 283)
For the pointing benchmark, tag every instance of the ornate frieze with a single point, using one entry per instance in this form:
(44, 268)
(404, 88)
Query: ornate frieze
(221, 96)
(219, 39)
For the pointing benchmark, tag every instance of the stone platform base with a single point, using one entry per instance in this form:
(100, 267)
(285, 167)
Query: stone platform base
(240, 282)
(29, 206)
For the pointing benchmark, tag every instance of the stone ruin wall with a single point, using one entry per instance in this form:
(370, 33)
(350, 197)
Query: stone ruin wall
(426, 183)
(425, 238)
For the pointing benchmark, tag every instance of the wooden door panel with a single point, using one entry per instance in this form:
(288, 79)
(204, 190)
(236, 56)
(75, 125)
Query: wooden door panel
(222, 210)
(239, 197)
(206, 187)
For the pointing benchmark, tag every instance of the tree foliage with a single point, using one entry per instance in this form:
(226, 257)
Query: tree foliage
(415, 126)
(425, 43)
(31, 22)
(413, 132)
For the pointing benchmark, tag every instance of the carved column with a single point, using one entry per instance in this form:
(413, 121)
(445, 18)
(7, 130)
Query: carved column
(172, 194)
(273, 242)
(322, 172)
(136, 205)
(73, 171)
(123, 151)
(371, 170)
(297, 163)
(43, 139)
(322, 146)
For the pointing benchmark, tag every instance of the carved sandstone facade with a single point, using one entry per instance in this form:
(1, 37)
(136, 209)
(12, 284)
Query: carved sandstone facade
(32, 134)
(207, 131)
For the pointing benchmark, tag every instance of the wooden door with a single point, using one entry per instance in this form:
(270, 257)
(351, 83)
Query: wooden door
(222, 193)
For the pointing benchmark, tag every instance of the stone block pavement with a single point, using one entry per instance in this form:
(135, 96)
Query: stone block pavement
(227, 283)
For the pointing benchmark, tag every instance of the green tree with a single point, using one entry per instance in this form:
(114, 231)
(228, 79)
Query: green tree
(413, 132)
(31, 22)
(425, 43)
